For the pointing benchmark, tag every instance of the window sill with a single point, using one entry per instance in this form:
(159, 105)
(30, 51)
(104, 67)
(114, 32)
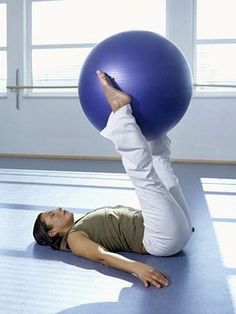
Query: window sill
(50, 95)
(214, 94)
(75, 95)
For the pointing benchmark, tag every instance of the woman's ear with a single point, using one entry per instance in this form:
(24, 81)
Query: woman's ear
(52, 233)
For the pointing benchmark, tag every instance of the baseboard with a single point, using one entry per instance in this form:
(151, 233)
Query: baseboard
(112, 158)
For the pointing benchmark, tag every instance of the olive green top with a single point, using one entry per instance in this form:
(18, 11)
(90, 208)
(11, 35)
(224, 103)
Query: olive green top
(118, 228)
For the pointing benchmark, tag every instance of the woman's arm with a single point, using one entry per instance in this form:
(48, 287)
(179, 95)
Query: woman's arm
(82, 246)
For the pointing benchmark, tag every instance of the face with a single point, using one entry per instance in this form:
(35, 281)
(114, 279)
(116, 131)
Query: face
(59, 219)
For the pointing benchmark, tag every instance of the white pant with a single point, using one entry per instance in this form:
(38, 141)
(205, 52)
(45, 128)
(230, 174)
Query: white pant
(167, 222)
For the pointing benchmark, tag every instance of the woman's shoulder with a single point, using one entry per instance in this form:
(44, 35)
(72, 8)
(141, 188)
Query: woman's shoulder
(75, 235)
(71, 237)
(123, 209)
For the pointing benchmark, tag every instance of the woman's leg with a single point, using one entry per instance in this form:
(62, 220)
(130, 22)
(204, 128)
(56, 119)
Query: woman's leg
(166, 229)
(160, 150)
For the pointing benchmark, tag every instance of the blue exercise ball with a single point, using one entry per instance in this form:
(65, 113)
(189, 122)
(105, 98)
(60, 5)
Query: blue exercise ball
(148, 67)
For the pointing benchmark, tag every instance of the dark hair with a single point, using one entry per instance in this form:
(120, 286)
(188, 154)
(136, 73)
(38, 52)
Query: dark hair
(40, 233)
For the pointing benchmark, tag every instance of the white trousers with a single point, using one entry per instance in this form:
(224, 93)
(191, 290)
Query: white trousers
(167, 222)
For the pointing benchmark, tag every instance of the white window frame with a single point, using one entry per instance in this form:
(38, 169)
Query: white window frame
(181, 22)
(196, 42)
(28, 52)
(2, 94)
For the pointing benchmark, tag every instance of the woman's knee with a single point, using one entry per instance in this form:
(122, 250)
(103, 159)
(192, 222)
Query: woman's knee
(166, 246)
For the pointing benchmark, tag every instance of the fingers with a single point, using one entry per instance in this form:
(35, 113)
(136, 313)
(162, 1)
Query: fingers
(145, 283)
(156, 284)
(151, 276)
(157, 279)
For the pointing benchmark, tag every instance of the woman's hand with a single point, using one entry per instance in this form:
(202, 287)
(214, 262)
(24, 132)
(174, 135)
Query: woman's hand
(150, 276)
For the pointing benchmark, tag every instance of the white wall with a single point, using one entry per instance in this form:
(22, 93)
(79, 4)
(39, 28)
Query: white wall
(207, 131)
(57, 126)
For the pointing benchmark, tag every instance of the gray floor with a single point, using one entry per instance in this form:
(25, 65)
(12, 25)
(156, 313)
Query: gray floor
(38, 280)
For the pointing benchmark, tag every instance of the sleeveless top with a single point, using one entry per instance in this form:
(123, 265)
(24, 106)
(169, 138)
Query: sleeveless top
(117, 228)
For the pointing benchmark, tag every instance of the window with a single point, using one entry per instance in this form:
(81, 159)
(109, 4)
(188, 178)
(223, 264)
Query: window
(3, 43)
(215, 44)
(65, 31)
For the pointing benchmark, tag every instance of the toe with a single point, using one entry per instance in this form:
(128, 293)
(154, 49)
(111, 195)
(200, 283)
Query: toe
(101, 74)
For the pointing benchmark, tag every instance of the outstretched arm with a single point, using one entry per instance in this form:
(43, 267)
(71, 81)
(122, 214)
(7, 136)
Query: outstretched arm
(81, 245)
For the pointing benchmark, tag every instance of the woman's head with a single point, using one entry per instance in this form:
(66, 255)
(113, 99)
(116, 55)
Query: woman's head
(51, 226)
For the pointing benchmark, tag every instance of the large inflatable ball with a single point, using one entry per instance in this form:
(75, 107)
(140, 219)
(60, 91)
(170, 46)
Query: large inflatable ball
(148, 67)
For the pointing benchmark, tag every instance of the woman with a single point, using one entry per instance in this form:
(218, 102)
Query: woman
(162, 227)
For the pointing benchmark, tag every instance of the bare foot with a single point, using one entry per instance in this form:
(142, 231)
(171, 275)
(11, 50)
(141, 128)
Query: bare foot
(115, 97)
